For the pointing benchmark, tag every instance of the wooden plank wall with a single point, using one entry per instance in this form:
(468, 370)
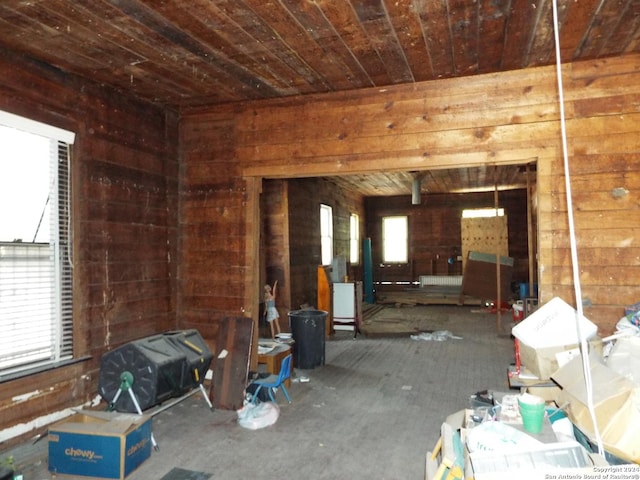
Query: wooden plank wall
(274, 248)
(435, 234)
(603, 128)
(124, 167)
(214, 277)
(510, 117)
(212, 265)
(305, 197)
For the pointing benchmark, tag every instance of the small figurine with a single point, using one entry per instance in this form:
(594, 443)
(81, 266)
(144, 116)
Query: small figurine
(270, 311)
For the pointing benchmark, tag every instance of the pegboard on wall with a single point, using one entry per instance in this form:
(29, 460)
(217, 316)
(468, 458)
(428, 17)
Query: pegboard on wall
(487, 235)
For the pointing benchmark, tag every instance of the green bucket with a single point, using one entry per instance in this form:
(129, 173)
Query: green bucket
(532, 415)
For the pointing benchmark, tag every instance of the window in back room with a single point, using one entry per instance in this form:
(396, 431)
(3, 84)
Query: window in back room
(395, 236)
(35, 246)
(326, 234)
(354, 239)
(482, 212)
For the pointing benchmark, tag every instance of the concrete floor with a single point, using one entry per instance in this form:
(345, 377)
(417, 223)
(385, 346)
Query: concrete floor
(371, 412)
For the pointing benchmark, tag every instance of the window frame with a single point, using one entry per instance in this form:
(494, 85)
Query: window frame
(59, 349)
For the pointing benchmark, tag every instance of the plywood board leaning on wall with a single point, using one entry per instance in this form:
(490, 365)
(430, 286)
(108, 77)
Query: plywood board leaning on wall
(489, 235)
(480, 277)
(231, 363)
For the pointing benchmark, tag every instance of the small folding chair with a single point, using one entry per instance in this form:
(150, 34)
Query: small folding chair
(273, 382)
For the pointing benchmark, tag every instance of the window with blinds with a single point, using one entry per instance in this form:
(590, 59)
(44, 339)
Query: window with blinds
(36, 269)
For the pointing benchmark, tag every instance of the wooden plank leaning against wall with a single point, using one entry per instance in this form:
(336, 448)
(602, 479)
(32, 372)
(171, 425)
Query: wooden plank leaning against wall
(485, 120)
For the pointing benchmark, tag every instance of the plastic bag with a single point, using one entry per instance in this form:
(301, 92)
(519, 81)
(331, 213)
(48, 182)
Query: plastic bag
(625, 326)
(262, 415)
(497, 436)
(437, 336)
(624, 358)
(632, 313)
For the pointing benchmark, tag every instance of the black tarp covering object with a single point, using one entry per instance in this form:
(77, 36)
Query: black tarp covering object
(154, 368)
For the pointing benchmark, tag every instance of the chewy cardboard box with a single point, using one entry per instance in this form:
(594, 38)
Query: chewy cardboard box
(547, 332)
(615, 402)
(99, 444)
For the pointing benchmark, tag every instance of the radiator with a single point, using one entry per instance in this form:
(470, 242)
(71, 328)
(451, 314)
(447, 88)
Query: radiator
(449, 280)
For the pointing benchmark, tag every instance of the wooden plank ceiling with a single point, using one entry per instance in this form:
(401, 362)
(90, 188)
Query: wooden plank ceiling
(459, 180)
(181, 53)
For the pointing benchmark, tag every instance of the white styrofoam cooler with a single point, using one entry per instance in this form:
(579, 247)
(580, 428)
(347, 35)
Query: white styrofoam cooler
(550, 330)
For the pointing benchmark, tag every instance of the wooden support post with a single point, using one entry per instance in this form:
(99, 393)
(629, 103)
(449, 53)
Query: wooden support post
(498, 279)
(530, 234)
(252, 254)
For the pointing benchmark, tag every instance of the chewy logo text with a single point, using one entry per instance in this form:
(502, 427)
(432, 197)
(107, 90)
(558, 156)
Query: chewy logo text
(76, 452)
(138, 446)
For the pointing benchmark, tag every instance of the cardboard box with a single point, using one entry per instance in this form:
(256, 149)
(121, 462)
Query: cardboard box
(450, 447)
(547, 332)
(550, 460)
(615, 400)
(548, 393)
(531, 458)
(99, 444)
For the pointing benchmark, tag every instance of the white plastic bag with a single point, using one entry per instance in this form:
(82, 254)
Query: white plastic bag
(624, 358)
(437, 336)
(498, 436)
(625, 325)
(262, 415)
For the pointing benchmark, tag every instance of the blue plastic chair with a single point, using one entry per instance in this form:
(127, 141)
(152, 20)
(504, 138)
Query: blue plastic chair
(273, 382)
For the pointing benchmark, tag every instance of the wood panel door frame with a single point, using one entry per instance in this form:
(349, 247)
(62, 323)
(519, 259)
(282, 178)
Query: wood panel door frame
(254, 177)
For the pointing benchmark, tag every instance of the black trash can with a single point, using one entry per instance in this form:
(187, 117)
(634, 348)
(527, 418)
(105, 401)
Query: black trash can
(307, 330)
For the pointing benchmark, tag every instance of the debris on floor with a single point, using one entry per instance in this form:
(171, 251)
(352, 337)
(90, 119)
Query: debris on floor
(255, 416)
(437, 336)
(632, 314)
(547, 429)
(550, 346)
(481, 443)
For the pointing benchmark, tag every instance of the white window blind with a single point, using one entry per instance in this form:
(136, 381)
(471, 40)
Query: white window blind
(36, 274)
(63, 255)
